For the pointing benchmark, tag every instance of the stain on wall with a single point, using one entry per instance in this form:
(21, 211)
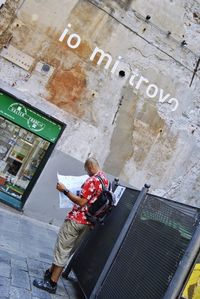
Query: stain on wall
(66, 89)
(121, 146)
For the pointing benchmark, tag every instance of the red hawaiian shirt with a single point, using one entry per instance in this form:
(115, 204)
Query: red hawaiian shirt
(90, 191)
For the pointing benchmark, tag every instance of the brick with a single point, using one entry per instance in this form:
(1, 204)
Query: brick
(4, 287)
(37, 273)
(35, 267)
(18, 257)
(46, 265)
(20, 278)
(19, 263)
(61, 297)
(5, 256)
(34, 264)
(5, 269)
(46, 257)
(60, 288)
(17, 293)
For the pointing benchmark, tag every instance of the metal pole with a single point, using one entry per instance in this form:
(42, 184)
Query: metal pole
(132, 215)
(185, 264)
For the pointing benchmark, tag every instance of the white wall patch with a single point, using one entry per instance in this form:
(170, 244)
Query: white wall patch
(17, 57)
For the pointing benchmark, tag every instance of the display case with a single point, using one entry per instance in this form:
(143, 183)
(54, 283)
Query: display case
(27, 138)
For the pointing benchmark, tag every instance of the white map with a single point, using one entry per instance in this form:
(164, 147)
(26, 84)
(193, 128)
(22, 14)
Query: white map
(118, 193)
(73, 183)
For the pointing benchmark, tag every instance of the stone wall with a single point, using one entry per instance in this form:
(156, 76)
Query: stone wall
(131, 129)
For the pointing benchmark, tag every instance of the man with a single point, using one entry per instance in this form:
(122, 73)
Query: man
(74, 225)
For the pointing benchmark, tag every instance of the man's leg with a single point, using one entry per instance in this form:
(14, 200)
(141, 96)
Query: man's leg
(73, 253)
(66, 239)
(48, 272)
(58, 252)
(56, 273)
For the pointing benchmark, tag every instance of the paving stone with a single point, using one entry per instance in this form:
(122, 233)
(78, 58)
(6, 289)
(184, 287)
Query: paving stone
(37, 273)
(19, 263)
(60, 288)
(5, 256)
(20, 279)
(33, 264)
(61, 297)
(46, 257)
(4, 287)
(5, 269)
(46, 265)
(17, 293)
(16, 256)
(35, 267)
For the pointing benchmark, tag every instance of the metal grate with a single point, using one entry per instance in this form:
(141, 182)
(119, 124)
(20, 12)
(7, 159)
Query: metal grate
(150, 253)
(172, 214)
(94, 253)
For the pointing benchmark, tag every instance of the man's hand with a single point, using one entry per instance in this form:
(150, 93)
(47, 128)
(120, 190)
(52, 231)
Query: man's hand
(60, 187)
(74, 198)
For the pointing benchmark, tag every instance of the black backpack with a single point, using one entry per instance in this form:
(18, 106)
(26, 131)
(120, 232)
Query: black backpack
(102, 206)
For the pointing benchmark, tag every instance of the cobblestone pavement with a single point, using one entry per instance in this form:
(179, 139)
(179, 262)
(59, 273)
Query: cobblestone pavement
(26, 247)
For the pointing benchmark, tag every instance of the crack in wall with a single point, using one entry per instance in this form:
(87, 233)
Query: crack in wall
(196, 69)
(118, 108)
(138, 50)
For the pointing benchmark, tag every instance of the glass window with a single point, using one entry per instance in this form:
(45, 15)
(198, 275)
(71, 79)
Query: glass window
(20, 155)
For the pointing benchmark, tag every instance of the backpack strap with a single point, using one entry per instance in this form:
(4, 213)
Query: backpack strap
(101, 181)
(103, 185)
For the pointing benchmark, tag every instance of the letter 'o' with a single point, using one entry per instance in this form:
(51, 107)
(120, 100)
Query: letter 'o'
(152, 91)
(76, 37)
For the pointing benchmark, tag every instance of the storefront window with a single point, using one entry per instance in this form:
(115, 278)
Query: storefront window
(20, 155)
(27, 138)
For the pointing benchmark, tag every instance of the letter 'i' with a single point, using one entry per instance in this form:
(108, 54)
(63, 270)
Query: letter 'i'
(116, 65)
(64, 33)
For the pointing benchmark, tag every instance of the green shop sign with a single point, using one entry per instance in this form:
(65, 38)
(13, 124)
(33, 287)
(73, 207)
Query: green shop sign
(28, 118)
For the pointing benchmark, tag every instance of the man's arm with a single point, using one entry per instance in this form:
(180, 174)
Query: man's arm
(81, 201)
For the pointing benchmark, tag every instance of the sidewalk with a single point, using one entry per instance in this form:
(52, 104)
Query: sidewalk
(26, 247)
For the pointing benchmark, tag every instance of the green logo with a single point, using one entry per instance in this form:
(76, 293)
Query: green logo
(21, 111)
(35, 124)
(18, 109)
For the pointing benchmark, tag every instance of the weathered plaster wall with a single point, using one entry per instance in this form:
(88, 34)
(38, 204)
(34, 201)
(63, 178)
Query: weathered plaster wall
(136, 138)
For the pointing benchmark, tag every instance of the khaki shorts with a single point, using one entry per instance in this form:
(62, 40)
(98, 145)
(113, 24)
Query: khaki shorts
(69, 235)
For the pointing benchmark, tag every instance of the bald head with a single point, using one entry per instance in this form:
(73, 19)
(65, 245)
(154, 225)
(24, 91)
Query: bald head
(91, 166)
